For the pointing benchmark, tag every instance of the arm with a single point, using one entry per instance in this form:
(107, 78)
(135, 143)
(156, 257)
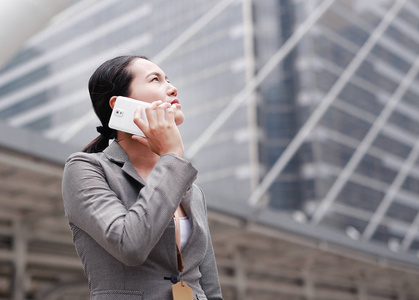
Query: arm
(128, 234)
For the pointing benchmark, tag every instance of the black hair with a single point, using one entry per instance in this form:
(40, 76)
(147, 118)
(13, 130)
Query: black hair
(112, 78)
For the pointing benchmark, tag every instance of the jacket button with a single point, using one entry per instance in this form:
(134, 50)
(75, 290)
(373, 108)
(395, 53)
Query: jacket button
(174, 278)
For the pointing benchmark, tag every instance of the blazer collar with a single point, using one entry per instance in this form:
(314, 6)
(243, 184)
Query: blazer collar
(116, 154)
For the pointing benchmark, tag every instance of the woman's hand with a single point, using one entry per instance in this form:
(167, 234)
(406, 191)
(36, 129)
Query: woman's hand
(161, 134)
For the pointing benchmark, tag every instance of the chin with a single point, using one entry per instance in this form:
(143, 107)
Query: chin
(179, 118)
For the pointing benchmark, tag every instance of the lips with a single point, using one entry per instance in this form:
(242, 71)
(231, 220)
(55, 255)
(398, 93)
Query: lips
(175, 101)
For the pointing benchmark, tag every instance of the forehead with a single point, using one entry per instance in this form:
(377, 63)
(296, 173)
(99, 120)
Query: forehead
(142, 67)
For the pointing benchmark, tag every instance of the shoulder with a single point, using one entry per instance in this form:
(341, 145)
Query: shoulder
(81, 162)
(85, 158)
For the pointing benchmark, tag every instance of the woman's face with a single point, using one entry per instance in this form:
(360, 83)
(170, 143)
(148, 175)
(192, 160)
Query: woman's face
(150, 84)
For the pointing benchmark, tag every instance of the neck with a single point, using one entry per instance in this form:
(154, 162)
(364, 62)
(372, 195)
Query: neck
(141, 157)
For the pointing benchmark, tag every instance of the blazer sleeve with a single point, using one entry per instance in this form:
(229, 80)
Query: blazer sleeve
(127, 234)
(208, 268)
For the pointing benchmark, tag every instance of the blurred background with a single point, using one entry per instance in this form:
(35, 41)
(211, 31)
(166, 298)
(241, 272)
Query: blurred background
(302, 117)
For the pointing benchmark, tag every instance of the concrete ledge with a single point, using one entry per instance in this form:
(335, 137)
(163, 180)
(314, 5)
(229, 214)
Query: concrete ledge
(34, 144)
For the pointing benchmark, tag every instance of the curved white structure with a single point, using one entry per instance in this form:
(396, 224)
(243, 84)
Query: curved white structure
(20, 19)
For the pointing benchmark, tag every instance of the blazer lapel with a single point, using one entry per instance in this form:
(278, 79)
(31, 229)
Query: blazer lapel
(116, 154)
(192, 210)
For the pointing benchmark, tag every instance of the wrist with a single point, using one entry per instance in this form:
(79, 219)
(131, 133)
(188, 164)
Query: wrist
(172, 152)
(177, 153)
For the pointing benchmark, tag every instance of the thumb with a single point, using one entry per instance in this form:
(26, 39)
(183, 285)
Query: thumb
(140, 139)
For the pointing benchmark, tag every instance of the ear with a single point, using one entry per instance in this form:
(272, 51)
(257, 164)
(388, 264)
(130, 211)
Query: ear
(112, 101)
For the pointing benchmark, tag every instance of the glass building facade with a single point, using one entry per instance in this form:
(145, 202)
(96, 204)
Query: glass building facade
(359, 164)
(353, 179)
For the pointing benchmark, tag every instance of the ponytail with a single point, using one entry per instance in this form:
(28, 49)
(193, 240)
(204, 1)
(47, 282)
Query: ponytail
(102, 141)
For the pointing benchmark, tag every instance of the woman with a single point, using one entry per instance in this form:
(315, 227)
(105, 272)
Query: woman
(121, 198)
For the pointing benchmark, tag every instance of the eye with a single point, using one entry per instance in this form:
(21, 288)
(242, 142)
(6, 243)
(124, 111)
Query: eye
(155, 78)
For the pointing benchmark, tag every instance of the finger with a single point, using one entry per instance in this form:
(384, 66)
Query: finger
(149, 111)
(161, 111)
(138, 119)
(140, 139)
(171, 113)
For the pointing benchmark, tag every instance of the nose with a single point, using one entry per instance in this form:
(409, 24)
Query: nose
(172, 91)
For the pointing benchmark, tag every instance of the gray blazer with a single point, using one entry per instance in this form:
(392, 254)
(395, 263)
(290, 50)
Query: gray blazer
(123, 228)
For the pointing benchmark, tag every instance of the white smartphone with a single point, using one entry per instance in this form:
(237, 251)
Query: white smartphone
(122, 117)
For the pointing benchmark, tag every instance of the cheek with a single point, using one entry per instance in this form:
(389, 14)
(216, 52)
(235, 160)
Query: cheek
(147, 94)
